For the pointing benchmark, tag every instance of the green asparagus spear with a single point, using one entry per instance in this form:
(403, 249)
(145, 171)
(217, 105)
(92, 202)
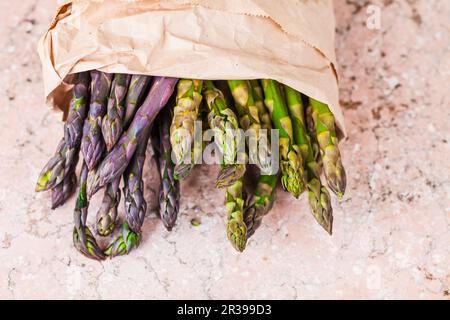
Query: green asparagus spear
(258, 96)
(236, 228)
(311, 128)
(292, 174)
(260, 203)
(227, 136)
(186, 112)
(107, 214)
(318, 196)
(328, 143)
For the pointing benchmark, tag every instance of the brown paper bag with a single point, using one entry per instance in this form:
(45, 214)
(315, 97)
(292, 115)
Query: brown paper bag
(291, 41)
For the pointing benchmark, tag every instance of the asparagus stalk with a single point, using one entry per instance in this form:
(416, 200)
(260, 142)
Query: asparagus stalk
(311, 128)
(115, 163)
(83, 238)
(328, 144)
(112, 123)
(318, 196)
(63, 163)
(93, 145)
(78, 110)
(57, 168)
(107, 214)
(136, 91)
(64, 190)
(258, 96)
(135, 205)
(249, 116)
(290, 159)
(236, 227)
(186, 112)
(227, 138)
(260, 203)
(169, 194)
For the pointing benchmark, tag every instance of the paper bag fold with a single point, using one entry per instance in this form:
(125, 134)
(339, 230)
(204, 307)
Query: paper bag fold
(291, 41)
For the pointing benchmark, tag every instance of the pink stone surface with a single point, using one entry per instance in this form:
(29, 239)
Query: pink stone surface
(391, 235)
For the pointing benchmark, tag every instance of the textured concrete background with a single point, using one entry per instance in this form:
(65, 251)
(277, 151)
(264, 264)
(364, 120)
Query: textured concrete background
(391, 236)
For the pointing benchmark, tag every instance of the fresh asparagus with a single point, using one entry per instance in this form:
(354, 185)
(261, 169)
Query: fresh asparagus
(63, 191)
(78, 110)
(328, 143)
(58, 167)
(310, 126)
(115, 163)
(93, 145)
(245, 104)
(112, 123)
(124, 243)
(107, 214)
(169, 194)
(258, 96)
(136, 92)
(135, 204)
(64, 161)
(236, 227)
(224, 122)
(83, 238)
(249, 117)
(186, 112)
(290, 159)
(318, 196)
(260, 203)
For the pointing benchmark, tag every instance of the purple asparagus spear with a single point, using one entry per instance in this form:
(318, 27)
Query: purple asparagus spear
(93, 145)
(114, 165)
(112, 123)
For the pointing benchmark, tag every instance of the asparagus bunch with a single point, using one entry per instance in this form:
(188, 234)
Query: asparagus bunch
(113, 132)
(115, 163)
(186, 112)
(135, 205)
(93, 145)
(227, 137)
(318, 196)
(169, 194)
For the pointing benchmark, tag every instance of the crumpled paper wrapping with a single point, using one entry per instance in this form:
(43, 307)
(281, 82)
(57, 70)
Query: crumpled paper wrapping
(291, 41)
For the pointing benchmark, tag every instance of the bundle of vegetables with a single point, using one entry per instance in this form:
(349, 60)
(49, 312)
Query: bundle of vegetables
(111, 120)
